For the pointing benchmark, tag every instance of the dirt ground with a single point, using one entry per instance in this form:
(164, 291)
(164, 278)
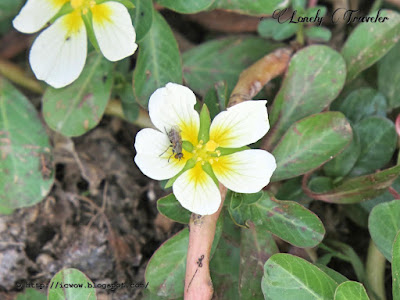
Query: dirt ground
(100, 217)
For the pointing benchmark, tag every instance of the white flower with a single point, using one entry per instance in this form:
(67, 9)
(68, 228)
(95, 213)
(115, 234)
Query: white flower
(204, 164)
(58, 54)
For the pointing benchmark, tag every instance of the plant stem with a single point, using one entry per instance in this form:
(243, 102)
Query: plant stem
(252, 80)
(198, 283)
(375, 271)
(17, 75)
(114, 108)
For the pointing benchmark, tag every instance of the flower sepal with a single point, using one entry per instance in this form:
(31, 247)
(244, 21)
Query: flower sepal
(127, 3)
(87, 19)
(205, 123)
(208, 169)
(189, 164)
(227, 151)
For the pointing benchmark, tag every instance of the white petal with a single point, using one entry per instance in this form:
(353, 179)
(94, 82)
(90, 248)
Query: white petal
(152, 157)
(197, 192)
(58, 55)
(246, 171)
(35, 14)
(173, 105)
(114, 31)
(240, 125)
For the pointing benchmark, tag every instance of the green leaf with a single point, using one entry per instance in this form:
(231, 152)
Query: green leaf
(251, 7)
(318, 34)
(31, 294)
(339, 278)
(291, 190)
(362, 103)
(224, 266)
(389, 75)
(286, 219)
(309, 143)
(255, 248)
(362, 188)
(172, 209)
(165, 271)
(383, 224)
(26, 160)
(8, 10)
(142, 17)
(295, 278)
(216, 98)
(186, 6)
(369, 42)
(320, 184)
(71, 284)
(342, 164)
(378, 140)
(166, 268)
(346, 253)
(271, 28)
(396, 267)
(158, 62)
(77, 108)
(222, 59)
(351, 290)
(315, 77)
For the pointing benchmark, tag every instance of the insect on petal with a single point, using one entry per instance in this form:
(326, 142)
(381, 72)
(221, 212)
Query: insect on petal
(240, 125)
(197, 192)
(246, 171)
(35, 14)
(114, 31)
(59, 53)
(173, 105)
(150, 144)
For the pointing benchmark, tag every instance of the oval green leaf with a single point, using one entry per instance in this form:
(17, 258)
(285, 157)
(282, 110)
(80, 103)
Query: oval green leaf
(370, 41)
(286, 219)
(315, 77)
(202, 69)
(256, 247)
(359, 189)
(309, 143)
(295, 278)
(351, 290)
(396, 267)
(71, 284)
(251, 7)
(378, 140)
(142, 17)
(159, 61)
(389, 75)
(362, 103)
(186, 6)
(77, 108)
(26, 161)
(342, 164)
(383, 225)
(165, 271)
(31, 294)
(172, 209)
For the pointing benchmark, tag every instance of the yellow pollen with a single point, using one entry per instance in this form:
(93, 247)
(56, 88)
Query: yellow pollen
(211, 161)
(83, 5)
(211, 146)
(199, 159)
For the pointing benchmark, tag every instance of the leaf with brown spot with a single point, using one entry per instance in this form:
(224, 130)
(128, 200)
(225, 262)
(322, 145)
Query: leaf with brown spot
(26, 162)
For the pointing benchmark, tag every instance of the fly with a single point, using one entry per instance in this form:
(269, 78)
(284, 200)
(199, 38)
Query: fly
(175, 139)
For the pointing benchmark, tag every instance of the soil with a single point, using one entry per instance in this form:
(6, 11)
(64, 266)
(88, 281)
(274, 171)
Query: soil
(100, 217)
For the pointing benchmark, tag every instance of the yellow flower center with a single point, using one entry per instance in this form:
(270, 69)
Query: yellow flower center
(206, 152)
(83, 5)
